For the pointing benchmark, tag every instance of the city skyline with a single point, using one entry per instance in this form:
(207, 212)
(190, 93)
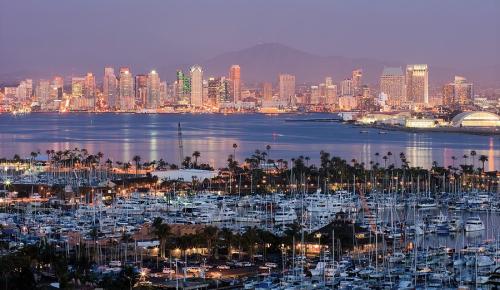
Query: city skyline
(468, 40)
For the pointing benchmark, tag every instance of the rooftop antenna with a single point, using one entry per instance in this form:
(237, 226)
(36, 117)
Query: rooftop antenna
(181, 147)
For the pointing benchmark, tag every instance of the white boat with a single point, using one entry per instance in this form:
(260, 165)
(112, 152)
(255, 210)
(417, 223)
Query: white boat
(474, 224)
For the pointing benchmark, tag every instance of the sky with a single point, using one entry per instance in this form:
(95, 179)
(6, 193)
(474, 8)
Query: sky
(70, 36)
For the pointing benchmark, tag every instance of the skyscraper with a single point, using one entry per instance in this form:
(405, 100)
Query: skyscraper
(287, 88)
(331, 95)
(24, 91)
(89, 91)
(109, 88)
(267, 91)
(346, 87)
(457, 93)
(417, 83)
(126, 90)
(77, 101)
(196, 86)
(153, 90)
(235, 82)
(58, 87)
(43, 93)
(141, 89)
(392, 84)
(357, 82)
(183, 88)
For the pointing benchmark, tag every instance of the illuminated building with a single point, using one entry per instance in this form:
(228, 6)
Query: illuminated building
(420, 123)
(235, 82)
(287, 88)
(392, 84)
(89, 91)
(126, 90)
(183, 88)
(476, 119)
(267, 91)
(347, 103)
(357, 82)
(77, 87)
(153, 95)
(43, 93)
(196, 86)
(315, 95)
(24, 91)
(346, 87)
(328, 81)
(141, 89)
(163, 93)
(417, 83)
(331, 95)
(109, 88)
(459, 92)
(58, 87)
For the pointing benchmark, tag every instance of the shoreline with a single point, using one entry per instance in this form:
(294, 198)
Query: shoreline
(472, 131)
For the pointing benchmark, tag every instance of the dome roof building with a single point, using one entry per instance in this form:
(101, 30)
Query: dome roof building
(476, 119)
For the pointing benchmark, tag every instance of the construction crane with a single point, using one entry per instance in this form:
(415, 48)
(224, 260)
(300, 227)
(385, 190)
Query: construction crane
(181, 147)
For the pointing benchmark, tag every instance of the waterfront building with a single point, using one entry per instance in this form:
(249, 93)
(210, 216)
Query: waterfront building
(346, 88)
(235, 82)
(458, 93)
(163, 93)
(89, 91)
(357, 82)
(392, 84)
(331, 95)
(476, 119)
(348, 103)
(126, 90)
(183, 88)
(315, 95)
(287, 88)
(110, 88)
(24, 91)
(153, 93)
(43, 93)
(420, 123)
(141, 89)
(58, 87)
(417, 83)
(77, 101)
(267, 91)
(196, 86)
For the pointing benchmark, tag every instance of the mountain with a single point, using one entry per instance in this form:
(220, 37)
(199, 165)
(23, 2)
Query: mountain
(264, 62)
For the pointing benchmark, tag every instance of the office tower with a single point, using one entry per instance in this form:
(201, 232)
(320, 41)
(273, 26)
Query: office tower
(457, 93)
(163, 93)
(417, 83)
(357, 82)
(24, 91)
(89, 91)
(328, 81)
(287, 88)
(315, 95)
(214, 85)
(110, 88)
(346, 87)
(153, 95)
(141, 89)
(126, 90)
(196, 86)
(235, 82)
(58, 87)
(204, 92)
(331, 95)
(392, 84)
(267, 91)
(43, 92)
(77, 87)
(183, 88)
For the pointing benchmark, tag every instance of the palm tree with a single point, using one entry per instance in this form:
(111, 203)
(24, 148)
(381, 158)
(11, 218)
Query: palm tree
(234, 150)
(465, 159)
(196, 155)
(483, 159)
(473, 155)
(137, 160)
(162, 231)
(453, 158)
(385, 161)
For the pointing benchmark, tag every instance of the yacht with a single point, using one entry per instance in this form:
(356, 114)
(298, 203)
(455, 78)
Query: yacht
(474, 224)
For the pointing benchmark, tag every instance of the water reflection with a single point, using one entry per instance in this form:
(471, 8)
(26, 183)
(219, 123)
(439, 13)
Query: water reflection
(121, 136)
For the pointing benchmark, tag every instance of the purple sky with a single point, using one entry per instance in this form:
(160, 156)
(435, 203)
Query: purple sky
(76, 36)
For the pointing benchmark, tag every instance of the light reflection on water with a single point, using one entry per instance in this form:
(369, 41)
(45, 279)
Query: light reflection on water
(121, 136)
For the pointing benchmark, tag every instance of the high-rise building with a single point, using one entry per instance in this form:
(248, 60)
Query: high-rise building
(458, 93)
(183, 88)
(331, 95)
(287, 88)
(235, 82)
(267, 91)
(126, 90)
(315, 95)
(196, 86)
(392, 84)
(110, 88)
(346, 88)
(58, 87)
(163, 93)
(43, 92)
(89, 91)
(24, 91)
(357, 82)
(141, 89)
(153, 95)
(77, 101)
(328, 81)
(417, 83)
